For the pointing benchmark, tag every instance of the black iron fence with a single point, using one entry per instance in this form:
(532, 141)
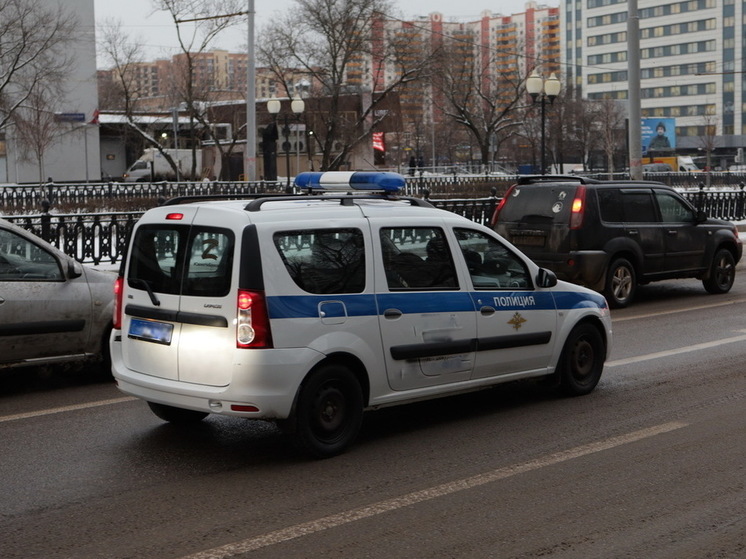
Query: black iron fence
(102, 237)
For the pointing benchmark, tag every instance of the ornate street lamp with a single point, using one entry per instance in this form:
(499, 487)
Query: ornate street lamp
(297, 106)
(539, 88)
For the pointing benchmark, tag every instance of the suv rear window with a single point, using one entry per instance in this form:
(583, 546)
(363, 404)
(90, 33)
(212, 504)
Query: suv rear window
(182, 260)
(539, 203)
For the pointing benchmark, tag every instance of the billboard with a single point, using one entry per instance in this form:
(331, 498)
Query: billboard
(658, 134)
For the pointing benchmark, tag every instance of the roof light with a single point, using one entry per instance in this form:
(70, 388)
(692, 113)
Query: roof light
(351, 180)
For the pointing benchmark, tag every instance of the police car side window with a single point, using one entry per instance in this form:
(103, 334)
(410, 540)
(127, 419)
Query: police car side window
(491, 265)
(417, 258)
(324, 261)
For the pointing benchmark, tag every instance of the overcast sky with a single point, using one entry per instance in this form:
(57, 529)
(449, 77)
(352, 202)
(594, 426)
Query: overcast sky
(155, 30)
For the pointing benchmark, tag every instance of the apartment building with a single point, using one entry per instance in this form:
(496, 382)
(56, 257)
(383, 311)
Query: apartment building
(507, 45)
(691, 64)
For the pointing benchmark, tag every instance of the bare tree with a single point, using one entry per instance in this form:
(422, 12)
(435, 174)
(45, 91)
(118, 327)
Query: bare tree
(473, 91)
(198, 23)
(37, 125)
(708, 143)
(611, 121)
(34, 49)
(125, 54)
(330, 41)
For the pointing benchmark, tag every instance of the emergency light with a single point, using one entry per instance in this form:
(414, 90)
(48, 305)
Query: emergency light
(351, 180)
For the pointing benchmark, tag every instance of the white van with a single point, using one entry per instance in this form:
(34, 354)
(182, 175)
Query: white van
(309, 309)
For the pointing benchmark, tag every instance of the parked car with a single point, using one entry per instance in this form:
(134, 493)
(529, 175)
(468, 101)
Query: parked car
(310, 309)
(613, 235)
(52, 309)
(657, 168)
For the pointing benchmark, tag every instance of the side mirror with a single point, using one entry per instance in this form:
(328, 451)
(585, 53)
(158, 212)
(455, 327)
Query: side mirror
(546, 278)
(701, 216)
(74, 269)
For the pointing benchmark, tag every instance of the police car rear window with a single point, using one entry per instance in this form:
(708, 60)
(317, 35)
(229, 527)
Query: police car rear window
(324, 261)
(180, 260)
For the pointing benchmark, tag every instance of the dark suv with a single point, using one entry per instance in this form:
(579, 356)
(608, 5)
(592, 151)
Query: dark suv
(613, 235)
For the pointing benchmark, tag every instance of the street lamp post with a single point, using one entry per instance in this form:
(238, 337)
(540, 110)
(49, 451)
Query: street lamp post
(538, 87)
(297, 106)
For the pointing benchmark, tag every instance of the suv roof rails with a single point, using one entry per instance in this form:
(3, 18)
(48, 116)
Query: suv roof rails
(534, 179)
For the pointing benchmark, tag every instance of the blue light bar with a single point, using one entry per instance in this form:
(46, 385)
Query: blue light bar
(351, 180)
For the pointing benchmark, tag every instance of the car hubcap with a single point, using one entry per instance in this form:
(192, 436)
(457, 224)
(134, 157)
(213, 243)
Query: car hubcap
(621, 283)
(582, 358)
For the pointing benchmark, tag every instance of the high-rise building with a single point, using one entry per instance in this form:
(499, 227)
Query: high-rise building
(691, 64)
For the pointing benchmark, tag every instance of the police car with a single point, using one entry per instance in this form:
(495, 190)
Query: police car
(310, 309)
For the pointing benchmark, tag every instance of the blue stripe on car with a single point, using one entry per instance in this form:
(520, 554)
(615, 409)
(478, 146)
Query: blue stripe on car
(307, 306)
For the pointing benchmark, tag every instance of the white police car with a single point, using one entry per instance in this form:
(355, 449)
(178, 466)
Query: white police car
(309, 309)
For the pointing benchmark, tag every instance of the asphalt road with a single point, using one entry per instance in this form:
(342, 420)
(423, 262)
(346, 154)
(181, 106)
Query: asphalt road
(651, 465)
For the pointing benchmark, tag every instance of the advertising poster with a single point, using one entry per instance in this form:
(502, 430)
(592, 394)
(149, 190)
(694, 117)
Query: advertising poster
(658, 134)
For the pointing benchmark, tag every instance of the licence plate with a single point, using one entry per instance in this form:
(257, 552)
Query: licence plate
(151, 331)
(528, 240)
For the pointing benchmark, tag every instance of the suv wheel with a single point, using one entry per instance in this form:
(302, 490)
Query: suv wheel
(329, 412)
(621, 283)
(722, 273)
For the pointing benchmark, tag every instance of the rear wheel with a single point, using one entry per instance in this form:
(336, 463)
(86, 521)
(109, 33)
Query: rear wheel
(178, 416)
(582, 361)
(621, 283)
(329, 412)
(722, 273)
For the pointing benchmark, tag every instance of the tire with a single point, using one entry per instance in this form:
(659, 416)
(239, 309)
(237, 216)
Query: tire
(177, 416)
(329, 412)
(722, 273)
(621, 283)
(582, 361)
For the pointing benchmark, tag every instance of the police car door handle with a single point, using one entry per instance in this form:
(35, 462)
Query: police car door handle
(392, 313)
(487, 310)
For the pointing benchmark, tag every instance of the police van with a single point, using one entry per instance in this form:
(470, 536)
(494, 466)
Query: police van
(310, 309)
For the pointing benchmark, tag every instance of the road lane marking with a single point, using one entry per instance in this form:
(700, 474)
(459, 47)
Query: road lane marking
(390, 505)
(672, 352)
(63, 409)
(676, 311)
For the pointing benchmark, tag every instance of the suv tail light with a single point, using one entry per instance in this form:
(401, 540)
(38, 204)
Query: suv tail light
(578, 208)
(118, 290)
(252, 328)
(500, 205)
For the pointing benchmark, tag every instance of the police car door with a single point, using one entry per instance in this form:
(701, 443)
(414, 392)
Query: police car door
(516, 324)
(427, 319)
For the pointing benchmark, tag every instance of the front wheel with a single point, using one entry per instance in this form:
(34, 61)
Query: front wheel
(582, 361)
(178, 416)
(722, 273)
(621, 283)
(329, 412)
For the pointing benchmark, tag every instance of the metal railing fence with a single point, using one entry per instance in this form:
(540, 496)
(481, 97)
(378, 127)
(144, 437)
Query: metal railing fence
(102, 237)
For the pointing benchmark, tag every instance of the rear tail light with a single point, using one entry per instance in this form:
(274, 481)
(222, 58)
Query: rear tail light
(578, 208)
(500, 205)
(118, 289)
(252, 328)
